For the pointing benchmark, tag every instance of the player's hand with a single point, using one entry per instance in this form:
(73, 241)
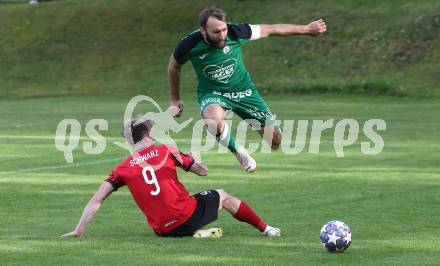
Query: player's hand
(203, 166)
(74, 233)
(316, 28)
(179, 105)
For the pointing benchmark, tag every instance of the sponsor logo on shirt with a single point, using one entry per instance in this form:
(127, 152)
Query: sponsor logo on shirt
(221, 73)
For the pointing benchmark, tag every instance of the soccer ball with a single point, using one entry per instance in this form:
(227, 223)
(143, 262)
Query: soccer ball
(335, 236)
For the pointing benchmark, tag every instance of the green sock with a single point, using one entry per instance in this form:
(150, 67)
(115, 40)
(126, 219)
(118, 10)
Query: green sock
(226, 139)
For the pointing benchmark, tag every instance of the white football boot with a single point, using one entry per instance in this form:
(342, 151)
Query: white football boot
(246, 161)
(271, 232)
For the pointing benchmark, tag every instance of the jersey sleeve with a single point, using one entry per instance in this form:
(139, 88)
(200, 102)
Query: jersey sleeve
(115, 179)
(244, 32)
(182, 52)
(181, 159)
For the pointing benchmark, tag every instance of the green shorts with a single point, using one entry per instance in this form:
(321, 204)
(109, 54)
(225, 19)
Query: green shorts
(247, 104)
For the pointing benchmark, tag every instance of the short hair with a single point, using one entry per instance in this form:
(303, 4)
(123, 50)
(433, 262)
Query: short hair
(135, 129)
(215, 12)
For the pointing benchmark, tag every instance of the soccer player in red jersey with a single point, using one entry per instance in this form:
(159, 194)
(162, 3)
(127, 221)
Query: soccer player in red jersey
(150, 175)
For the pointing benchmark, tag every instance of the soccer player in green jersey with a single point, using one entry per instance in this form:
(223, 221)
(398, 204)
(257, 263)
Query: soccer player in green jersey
(224, 82)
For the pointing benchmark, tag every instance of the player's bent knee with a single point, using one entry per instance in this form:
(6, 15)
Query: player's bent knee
(215, 124)
(222, 197)
(276, 140)
(228, 202)
(276, 144)
(214, 112)
(221, 193)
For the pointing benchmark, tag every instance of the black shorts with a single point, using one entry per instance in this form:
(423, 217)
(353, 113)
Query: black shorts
(206, 212)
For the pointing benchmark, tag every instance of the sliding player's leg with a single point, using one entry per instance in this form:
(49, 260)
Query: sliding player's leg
(241, 211)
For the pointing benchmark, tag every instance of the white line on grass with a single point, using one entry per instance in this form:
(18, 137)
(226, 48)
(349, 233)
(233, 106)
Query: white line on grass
(52, 167)
(52, 137)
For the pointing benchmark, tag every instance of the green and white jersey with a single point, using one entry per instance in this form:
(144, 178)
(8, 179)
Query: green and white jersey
(219, 69)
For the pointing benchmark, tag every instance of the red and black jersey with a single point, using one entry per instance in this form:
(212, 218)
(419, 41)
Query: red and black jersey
(151, 177)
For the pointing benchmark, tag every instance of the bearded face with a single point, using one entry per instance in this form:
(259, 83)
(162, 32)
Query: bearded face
(215, 32)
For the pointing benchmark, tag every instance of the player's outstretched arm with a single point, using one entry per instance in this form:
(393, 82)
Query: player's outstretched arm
(197, 167)
(91, 209)
(174, 85)
(314, 28)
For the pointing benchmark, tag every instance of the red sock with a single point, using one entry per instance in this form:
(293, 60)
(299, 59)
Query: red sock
(246, 214)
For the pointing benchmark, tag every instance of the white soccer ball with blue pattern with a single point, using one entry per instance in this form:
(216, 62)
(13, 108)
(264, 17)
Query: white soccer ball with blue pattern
(335, 236)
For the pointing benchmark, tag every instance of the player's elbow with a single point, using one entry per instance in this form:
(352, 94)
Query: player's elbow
(266, 30)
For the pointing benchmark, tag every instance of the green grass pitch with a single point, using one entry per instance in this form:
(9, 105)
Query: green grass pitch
(390, 200)
(84, 59)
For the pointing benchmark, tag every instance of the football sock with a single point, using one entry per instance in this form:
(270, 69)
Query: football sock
(226, 139)
(247, 215)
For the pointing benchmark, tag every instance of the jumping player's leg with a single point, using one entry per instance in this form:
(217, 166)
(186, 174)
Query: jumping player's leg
(214, 115)
(241, 211)
(256, 112)
(272, 135)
